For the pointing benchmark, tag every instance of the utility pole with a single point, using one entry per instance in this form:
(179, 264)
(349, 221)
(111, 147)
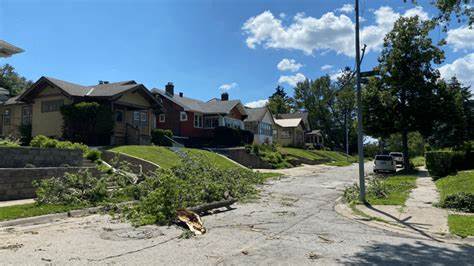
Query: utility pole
(360, 137)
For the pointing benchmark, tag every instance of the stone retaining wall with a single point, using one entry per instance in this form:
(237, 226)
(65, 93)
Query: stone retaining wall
(16, 157)
(244, 158)
(16, 183)
(136, 164)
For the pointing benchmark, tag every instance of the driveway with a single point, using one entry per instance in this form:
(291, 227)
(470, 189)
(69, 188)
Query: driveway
(292, 223)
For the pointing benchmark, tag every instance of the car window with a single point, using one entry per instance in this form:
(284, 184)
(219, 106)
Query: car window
(383, 157)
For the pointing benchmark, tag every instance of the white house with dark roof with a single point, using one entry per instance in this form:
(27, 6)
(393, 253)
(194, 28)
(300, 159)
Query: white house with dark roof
(261, 123)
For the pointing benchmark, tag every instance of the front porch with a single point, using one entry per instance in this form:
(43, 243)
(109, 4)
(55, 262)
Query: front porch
(133, 124)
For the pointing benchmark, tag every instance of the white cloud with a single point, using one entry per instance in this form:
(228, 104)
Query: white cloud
(228, 86)
(326, 67)
(307, 34)
(461, 38)
(289, 64)
(292, 80)
(462, 68)
(346, 8)
(335, 75)
(330, 32)
(258, 103)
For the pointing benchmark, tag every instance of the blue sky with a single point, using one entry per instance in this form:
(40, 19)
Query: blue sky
(205, 47)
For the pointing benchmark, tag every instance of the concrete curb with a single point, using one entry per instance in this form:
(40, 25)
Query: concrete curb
(344, 210)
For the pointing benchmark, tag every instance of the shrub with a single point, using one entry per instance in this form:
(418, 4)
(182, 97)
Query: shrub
(162, 137)
(93, 155)
(461, 201)
(25, 132)
(229, 137)
(378, 188)
(351, 193)
(440, 163)
(9, 142)
(88, 122)
(41, 141)
(73, 189)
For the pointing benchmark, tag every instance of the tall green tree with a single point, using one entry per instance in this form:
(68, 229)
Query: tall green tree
(12, 81)
(454, 115)
(408, 75)
(279, 102)
(344, 106)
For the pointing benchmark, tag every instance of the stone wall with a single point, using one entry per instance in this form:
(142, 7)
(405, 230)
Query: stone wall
(16, 183)
(244, 158)
(17, 157)
(136, 165)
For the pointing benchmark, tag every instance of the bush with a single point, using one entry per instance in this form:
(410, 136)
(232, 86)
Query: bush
(231, 137)
(41, 141)
(8, 142)
(461, 201)
(88, 122)
(73, 189)
(162, 137)
(351, 193)
(269, 154)
(93, 155)
(440, 163)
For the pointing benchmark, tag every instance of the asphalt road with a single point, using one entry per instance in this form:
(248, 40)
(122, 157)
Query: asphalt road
(293, 223)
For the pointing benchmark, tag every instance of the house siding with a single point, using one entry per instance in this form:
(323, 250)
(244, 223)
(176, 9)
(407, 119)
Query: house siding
(47, 123)
(15, 121)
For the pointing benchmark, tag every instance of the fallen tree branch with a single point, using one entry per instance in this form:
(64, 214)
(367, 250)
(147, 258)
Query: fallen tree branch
(213, 205)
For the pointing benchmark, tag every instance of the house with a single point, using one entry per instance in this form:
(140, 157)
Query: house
(133, 106)
(293, 130)
(261, 123)
(192, 118)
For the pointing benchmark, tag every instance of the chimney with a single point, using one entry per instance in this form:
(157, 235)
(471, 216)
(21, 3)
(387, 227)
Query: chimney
(169, 88)
(181, 94)
(103, 82)
(224, 96)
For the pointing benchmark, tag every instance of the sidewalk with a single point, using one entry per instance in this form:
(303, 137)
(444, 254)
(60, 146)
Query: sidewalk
(419, 215)
(16, 202)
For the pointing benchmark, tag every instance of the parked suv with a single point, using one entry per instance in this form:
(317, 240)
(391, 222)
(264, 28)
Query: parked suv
(398, 157)
(384, 163)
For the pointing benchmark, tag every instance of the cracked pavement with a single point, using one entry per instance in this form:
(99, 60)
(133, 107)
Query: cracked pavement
(293, 222)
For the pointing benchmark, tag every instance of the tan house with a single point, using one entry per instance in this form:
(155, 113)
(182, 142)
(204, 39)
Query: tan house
(290, 132)
(133, 105)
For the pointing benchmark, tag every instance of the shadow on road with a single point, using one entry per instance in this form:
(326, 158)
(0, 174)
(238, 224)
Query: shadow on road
(419, 253)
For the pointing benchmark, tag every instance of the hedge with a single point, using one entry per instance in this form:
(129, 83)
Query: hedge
(162, 137)
(225, 136)
(443, 163)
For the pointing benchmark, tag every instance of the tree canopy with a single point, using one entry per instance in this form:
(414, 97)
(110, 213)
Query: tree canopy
(12, 81)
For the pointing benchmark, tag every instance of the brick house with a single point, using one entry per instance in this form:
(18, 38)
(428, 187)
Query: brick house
(192, 118)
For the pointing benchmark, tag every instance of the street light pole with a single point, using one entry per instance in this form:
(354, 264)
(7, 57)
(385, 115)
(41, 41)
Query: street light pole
(360, 137)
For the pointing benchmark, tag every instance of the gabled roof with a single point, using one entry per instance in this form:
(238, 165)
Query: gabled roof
(256, 114)
(7, 49)
(214, 106)
(290, 122)
(301, 115)
(106, 90)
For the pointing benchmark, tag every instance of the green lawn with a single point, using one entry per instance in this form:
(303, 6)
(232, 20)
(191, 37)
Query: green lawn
(300, 153)
(398, 187)
(418, 161)
(461, 225)
(32, 209)
(462, 182)
(167, 158)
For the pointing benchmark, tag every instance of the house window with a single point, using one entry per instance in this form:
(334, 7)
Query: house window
(285, 134)
(51, 106)
(26, 115)
(7, 117)
(183, 116)
(265, 129)
(233, 123)
(198, 120)
(119, 116)
(136, 118)
(143, 119)
(140, 118)
(211, 122)
(162, 118)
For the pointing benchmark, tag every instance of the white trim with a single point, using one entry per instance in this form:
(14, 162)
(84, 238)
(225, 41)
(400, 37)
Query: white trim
(183, 116)
(162, 118)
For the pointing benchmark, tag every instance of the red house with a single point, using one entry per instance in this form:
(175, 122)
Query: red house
(191, 118)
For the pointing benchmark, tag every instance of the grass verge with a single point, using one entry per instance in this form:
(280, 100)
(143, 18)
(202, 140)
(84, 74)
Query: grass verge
(167, 158)
(462, 182)
(418, 161)
(461, 225)
(33, 209)
(398, 189)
